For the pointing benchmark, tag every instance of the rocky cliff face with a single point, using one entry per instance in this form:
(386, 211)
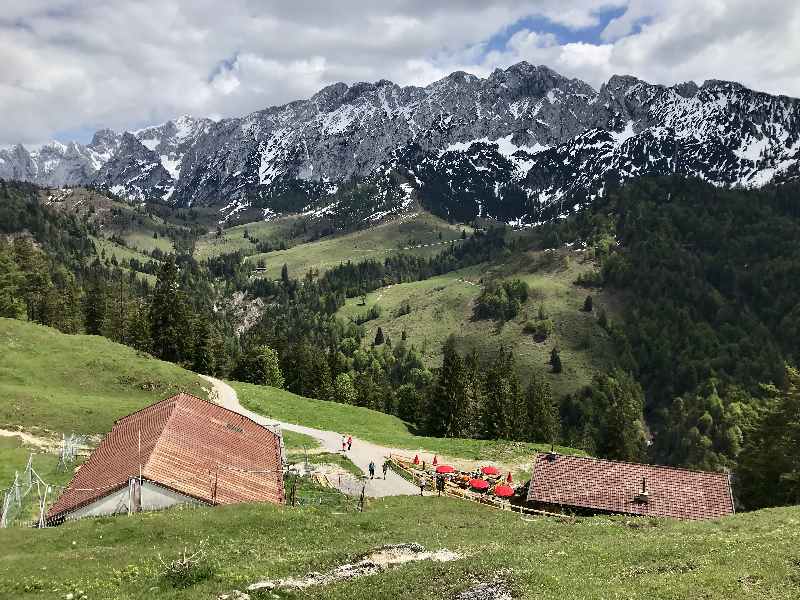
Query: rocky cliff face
(520, 145)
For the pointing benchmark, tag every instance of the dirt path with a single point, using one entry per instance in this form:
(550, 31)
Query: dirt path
(28, 439)
(361, 454)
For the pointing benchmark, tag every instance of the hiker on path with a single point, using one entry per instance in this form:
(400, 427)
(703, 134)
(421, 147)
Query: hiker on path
(421, 483)
(349, 442)
(371, 470)
(385, 468)
(440, 484)
(344, 444)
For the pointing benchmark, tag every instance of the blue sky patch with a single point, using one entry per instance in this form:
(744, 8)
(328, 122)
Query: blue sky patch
(564, 35)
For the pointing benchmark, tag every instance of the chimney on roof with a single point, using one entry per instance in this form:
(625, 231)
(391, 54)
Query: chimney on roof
(643, 497)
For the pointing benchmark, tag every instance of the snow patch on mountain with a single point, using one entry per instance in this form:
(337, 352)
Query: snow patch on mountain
(529, 139)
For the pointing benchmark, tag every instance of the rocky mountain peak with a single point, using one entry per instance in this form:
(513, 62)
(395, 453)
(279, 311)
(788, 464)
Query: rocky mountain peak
(548, 137)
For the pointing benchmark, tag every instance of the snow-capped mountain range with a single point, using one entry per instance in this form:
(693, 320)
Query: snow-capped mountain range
(513, 145)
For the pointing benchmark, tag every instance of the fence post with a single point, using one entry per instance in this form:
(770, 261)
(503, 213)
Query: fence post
(29, 472)
(42, 504)
(4, 510)
(16, 489)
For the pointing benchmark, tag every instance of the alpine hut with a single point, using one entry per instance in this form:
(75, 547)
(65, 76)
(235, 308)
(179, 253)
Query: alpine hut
(182, 450)
(590, 485)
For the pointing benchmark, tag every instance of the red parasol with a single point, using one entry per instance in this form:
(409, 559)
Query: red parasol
(490, 471)
(479, 484)
(416, 459)
(445, 469)
(509, 478)
(435, 460)
(504, 491)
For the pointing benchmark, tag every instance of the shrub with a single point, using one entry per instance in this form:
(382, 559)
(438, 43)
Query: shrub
(403, 309)
(590, 279)
(540, 330)
(372, 313)
(187, 569)
(501, 301)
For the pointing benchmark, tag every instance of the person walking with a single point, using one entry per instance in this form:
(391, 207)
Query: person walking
(349, 442)
(385, 468)
(344, 444)
(371, 470)
(421, 483)
(440, 484)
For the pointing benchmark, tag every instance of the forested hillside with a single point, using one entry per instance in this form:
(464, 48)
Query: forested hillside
(712, 285)
(691, 366)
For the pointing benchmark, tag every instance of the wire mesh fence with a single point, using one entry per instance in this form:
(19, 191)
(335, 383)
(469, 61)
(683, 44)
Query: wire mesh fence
(28, 498)
(21, 506)
(70, 447)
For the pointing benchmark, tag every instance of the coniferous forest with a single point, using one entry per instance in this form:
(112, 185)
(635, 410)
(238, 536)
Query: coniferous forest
(706, 347)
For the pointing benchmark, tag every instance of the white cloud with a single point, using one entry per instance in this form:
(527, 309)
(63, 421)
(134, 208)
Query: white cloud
(76, 66)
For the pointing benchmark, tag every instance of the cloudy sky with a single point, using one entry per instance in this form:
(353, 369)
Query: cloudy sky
(68, 68)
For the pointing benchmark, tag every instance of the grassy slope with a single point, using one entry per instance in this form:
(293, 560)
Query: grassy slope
(80, 383)
(372, 426)
(121, 253)
(751, 556)
(233, 239)
(295, 442)
(443, 305)
(97, 208)
(376, 242)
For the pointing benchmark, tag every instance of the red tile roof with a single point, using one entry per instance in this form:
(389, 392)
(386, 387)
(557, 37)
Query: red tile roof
(611, 486)
(189, 445)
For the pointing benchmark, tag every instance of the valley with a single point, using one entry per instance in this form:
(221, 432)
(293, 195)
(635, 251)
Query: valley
(512, 335)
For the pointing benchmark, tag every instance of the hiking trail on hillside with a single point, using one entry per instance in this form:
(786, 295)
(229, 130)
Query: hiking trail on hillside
(360, 455)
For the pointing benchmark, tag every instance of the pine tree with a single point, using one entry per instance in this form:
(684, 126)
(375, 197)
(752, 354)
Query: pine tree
(95, 306)
(769, 471)
(203, 355)
(543, 420)
(69, 317)
(285, 274)
(379, 339)
(409, 403)
(118, 309)
(623, 437)
(555, 360)
(447, 394)
(169, 321)
(11, 280)
(36, 283)
(503, 398)
(602, 318)
(587, 304)
(139, 329)
(473, 386)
